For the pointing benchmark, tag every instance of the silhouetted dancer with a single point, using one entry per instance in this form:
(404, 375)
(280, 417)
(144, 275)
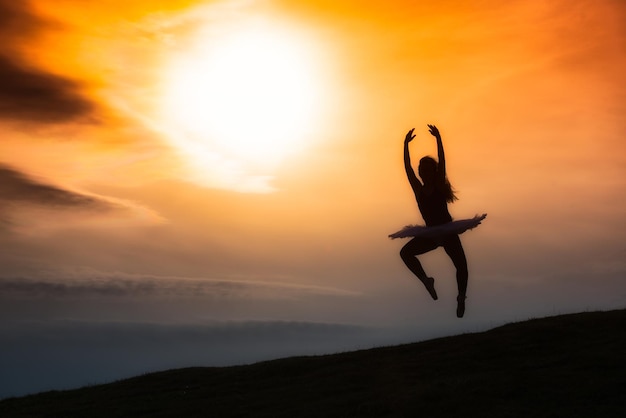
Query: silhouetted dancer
(433, 196)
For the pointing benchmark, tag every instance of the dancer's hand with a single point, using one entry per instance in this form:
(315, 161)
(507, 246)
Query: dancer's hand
(434, 131)
(409, 136)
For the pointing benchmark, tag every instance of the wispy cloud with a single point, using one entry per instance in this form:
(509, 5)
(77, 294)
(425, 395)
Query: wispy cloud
(17, 187)
(23, 200)
(99, 284)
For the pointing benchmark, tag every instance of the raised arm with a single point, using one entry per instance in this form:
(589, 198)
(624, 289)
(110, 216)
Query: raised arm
(416, 185)
(441, 169)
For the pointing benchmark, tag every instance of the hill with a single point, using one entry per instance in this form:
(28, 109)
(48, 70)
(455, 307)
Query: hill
(563, 366)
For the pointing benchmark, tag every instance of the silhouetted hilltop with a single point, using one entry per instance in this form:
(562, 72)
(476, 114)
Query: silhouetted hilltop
(562, 366)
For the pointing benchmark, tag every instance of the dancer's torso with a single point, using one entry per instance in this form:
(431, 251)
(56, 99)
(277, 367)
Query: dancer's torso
(433, 206)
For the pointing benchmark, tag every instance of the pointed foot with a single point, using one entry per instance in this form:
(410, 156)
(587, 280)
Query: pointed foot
(460, 306)
(429, 282)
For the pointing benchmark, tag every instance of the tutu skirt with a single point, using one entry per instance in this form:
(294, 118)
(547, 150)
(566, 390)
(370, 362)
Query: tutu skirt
(450, 228)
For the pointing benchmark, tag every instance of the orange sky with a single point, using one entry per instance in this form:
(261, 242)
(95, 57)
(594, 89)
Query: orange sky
(530, 98)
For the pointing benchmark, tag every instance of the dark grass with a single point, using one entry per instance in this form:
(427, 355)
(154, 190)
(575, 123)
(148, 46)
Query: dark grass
(563, 366)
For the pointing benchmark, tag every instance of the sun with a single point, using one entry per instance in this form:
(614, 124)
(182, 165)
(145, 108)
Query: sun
(249, 93)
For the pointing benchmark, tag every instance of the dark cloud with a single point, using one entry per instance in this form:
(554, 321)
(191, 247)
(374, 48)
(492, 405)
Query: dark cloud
(17, 188)
(17, 20)
(27, 93)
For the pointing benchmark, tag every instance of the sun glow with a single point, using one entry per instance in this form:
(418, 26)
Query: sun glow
(249, 94)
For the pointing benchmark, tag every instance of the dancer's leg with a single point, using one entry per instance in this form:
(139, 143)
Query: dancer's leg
(409, 252)
(454, 249)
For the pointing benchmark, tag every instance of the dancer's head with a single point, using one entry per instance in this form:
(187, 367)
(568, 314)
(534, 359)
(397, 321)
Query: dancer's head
(427, 170)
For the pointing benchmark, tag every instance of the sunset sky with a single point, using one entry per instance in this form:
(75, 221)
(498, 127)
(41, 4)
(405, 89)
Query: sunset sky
(198, 183)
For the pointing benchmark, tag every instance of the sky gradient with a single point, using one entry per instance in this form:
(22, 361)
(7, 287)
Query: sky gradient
(189, 183)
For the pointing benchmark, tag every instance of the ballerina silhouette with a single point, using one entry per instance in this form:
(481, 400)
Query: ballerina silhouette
(433, 196)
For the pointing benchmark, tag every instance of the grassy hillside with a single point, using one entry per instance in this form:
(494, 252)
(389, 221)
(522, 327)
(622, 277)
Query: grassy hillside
(563, 366)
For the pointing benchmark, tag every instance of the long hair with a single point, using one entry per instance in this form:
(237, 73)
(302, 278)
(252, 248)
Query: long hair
(448, 190)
